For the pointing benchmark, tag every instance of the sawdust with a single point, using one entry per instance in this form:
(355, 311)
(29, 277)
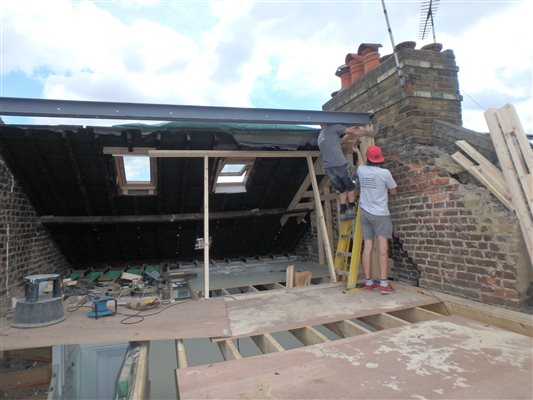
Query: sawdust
(283, 308)
(426, 352)
(335, 354)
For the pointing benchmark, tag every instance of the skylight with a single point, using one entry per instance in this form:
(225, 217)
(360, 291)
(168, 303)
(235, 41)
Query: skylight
(137, 169)
(232, 175)
(136, 173)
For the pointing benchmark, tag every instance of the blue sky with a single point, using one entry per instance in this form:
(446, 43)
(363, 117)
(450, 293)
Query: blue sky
(239, 53)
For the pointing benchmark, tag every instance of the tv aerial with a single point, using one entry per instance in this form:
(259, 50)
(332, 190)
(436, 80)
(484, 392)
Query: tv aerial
(427, 12)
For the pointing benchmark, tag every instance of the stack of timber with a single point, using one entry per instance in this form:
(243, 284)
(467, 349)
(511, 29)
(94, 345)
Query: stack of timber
(513, 184)
(26, 373)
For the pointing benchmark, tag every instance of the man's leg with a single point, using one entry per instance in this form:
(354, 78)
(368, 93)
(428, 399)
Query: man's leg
(343, 198)
(383, 247)
(367, 258)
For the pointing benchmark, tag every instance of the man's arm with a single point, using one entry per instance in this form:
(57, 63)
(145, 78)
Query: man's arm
(360, 131)
(358, 153)
(393, 191)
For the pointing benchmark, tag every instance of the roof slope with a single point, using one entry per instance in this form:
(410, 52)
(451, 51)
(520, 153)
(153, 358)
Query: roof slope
(65, 173)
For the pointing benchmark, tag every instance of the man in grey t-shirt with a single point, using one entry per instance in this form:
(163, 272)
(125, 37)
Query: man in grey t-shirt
(376, 185)
(334, 162)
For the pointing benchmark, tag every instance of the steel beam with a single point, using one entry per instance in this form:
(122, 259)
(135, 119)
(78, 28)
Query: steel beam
(166, 112)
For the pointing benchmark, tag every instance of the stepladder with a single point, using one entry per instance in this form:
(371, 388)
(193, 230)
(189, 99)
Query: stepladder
(348, 252)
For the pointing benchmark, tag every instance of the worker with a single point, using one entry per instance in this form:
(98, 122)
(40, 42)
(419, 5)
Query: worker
(335, 164)
(376, 183)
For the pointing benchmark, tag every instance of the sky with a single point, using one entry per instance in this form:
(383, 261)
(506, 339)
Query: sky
(250, 53)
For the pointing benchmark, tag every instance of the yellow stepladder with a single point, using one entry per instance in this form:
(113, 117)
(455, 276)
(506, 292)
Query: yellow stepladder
(343, 254)
(355, 259)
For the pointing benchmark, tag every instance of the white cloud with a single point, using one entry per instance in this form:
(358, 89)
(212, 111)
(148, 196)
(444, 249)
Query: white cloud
(253, 53)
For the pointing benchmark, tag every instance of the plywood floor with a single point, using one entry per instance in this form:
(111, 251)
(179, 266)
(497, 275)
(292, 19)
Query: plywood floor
(188, 319)
(281, 310)
(448, 358)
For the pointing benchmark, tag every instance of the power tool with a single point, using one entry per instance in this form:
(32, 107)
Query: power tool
(144, 304)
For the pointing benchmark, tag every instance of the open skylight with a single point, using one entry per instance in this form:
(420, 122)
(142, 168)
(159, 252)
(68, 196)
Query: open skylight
(232, 175)
(136, 173)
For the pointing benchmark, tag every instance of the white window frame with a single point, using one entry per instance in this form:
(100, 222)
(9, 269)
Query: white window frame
(136, 188)
(233, 187)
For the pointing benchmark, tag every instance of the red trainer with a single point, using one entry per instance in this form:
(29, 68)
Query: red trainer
(386, 289)
(369, 288)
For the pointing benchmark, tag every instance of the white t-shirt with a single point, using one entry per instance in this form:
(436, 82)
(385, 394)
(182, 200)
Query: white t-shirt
(375, 183)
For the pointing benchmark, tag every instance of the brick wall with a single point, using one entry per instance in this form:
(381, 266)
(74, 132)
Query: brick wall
(451, 234)
(25, 246)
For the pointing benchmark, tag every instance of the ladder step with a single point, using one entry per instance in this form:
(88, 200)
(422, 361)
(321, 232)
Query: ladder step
(343, 273)
(344, 254)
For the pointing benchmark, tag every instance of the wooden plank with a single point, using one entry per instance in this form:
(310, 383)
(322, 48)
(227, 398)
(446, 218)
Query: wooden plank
(42, 354)
(347, 328)
(181, 354)
(163, 218)
(141, 384)
(309, 335)
(206, 227)
(290, 277)
(229, 350)
(178, 320)
(267, 343)
(482, 161)
(486, 168)
(323, 229)
(521, 165)
(416, 314)
(302, 278)
(511, 123)
(509, 320)
(383, 321)
(438, 308)
(486, 179)
(327, 209)
(450, 358)
(26, 377)
(517, 196)
(321, 305)
(299, 193)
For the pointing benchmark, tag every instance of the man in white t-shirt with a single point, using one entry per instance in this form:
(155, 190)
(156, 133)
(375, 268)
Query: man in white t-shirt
(376, 184)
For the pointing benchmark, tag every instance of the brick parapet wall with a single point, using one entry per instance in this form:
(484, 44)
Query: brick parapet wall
(25, 246)
(450, 232)
(461, 239)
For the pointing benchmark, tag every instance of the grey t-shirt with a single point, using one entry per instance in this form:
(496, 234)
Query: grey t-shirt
(330, 147)
(375, 184)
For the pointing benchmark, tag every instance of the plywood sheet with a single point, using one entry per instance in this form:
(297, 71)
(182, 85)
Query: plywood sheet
(180, 320)
(282, 310)
(449, 358)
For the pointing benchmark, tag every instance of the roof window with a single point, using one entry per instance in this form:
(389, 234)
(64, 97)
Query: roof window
(136, 173)
(232, 175)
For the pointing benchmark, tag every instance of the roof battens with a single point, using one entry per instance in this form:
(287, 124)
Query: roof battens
(165, 112)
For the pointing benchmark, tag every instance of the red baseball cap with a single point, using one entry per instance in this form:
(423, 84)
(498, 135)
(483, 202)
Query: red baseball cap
(373, 154)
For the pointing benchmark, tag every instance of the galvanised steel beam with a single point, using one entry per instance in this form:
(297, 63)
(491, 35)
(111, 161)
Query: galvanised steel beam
(15, 106)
